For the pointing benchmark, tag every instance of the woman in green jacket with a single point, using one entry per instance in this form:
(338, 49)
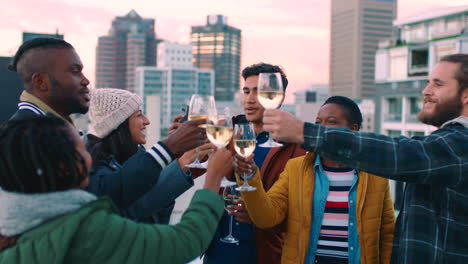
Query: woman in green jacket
(46, 218)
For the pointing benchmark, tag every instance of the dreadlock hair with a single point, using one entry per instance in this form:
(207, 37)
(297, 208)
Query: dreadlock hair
(44, 43)
(256, 69)
(38, 154)
(351, 109)
(117, 145)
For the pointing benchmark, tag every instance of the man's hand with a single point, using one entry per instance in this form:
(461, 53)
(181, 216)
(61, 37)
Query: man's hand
(283, 126)
(240, 212)
(219, 165)
(188, 136)
(244, 165)
(175, 124)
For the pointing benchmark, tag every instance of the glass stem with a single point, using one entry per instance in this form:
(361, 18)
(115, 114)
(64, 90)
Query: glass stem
(244, 175)
(230, 226)
(269, 137)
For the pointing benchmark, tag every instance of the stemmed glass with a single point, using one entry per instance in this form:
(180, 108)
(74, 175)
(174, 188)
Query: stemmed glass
(201, 107)
(230, 195)
(270, 96)
(220, 133)
(244, 144)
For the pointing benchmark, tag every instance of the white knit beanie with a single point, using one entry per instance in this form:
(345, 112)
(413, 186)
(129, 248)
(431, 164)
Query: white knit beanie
(109, 108)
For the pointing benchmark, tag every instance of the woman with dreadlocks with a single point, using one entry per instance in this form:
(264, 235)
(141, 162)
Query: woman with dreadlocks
(46, 217)
(122, 169)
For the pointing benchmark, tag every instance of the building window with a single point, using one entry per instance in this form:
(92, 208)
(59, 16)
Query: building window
(419, 61)
(394, 110)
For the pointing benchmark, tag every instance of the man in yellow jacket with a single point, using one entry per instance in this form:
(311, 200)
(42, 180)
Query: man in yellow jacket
(334, 214)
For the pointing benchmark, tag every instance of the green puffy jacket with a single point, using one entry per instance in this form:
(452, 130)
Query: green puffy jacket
(96, 234)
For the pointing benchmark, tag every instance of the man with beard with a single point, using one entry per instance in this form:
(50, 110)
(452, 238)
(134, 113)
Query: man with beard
(51, 71)
(433, 223)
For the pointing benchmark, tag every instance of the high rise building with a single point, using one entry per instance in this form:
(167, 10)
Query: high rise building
(217, 46)
(174, 55)
(31, 35)
(175, 86)
(131, 42)
(356, 28)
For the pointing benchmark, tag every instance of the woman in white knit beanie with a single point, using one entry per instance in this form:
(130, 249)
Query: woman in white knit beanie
(143, 184)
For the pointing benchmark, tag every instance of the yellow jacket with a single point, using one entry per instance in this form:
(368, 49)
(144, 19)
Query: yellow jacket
(375, 216)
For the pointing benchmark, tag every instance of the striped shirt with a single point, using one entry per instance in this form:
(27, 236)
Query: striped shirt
(333, 239)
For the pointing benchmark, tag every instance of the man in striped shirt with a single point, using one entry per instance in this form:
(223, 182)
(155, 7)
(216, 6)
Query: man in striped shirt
(433, 224)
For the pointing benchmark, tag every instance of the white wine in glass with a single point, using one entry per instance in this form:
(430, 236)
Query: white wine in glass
(200, 107)
(270, 95)
(244, 147)
(219, 133)
(270, 100)
(244, 144)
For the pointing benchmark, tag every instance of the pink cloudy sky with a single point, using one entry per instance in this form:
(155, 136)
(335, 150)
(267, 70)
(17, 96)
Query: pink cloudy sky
(294, 34)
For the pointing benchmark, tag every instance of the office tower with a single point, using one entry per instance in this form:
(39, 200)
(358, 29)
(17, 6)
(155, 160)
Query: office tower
(131, 42)
(217, 46)
(31, 35)
(356, 28)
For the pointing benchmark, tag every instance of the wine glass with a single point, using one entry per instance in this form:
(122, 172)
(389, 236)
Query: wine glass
(244, 144)
(230, 195)
(270, 96)
(201, 107)
(219, 133)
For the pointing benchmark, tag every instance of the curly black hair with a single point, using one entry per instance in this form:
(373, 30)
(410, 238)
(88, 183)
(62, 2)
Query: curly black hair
(38, 154)
(256, 69)
(351, 108)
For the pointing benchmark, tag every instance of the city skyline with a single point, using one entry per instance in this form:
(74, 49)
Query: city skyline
(299, 32)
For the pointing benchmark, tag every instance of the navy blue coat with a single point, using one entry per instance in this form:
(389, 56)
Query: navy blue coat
(140, 187)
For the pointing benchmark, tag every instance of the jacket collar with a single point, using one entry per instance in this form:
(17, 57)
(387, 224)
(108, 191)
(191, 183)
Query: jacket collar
(463, 120)
(38, 103)
(311, 159)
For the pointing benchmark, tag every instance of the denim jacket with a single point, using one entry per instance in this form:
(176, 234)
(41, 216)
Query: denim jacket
(318, 208)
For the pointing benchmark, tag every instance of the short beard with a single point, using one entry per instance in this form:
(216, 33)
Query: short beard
(442, 113)
(69, 104)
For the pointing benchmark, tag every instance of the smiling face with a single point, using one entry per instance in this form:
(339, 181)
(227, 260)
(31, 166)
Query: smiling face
(442, 97)
(334, 115)
(137, 123)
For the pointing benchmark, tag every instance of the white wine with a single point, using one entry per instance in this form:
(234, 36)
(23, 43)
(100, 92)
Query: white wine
(197, 117)
(230, 200)
(270, 100)
(244, 147)
(219, 135)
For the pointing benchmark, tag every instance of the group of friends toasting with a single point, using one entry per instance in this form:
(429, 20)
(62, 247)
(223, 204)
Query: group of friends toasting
(318, 193)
